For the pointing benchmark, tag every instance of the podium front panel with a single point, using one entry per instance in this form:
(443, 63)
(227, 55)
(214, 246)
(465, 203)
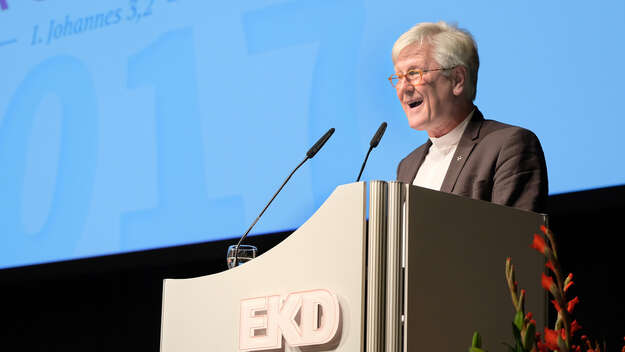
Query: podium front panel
(326, 254)
(456, 250)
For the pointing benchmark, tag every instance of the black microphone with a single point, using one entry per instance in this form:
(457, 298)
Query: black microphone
(317, 146)
(374, 143)
(309, 155)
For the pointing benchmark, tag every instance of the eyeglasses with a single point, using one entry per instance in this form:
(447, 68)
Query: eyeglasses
(414, 76)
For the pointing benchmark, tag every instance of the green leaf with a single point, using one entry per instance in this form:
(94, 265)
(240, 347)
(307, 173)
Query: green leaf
(477, 340)
(517, 340)
(516, 333)
(519, 346)
(518, 320)
(476, 349)
(530, 335)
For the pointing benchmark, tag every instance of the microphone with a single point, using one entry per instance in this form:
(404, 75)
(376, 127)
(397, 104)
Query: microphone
(374, 143)
(309, 155)
(317, 146)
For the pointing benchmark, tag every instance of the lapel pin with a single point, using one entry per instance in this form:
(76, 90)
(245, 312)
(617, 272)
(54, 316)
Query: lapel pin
(459, 158)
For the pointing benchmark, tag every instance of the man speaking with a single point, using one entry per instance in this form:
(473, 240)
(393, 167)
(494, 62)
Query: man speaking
(435, 78)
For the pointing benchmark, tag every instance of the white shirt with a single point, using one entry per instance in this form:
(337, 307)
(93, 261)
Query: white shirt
(434, 168)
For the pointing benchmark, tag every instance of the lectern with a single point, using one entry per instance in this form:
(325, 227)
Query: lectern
(422, 274)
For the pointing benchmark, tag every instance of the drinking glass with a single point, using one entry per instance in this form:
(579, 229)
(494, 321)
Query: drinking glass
(246, 253)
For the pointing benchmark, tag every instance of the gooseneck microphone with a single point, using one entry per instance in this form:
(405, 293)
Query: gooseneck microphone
(374, 143)
(309, 155)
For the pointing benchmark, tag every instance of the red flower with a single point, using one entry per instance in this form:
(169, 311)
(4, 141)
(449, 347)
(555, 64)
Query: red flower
(575, 327)
(541, 347)
(547, 283)
(568, 282)
(571, 304)
(550, 266)
(556, 305)
(543, 228)
(551, 339)
(539, 244)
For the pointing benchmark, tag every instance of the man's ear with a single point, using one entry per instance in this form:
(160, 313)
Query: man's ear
(458, 79)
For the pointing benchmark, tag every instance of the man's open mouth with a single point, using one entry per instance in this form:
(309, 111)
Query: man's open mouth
(414, 104)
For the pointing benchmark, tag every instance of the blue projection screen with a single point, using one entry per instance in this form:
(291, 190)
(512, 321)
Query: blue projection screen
(135, 124)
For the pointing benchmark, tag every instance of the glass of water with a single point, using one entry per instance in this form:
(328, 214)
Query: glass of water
(246, 253)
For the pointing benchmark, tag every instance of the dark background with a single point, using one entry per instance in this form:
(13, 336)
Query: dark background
(114, 302)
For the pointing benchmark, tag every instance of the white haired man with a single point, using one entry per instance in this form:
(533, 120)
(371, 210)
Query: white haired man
(435, 77)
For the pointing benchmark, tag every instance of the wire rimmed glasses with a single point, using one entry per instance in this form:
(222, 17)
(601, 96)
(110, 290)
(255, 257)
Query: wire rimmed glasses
(413, 76)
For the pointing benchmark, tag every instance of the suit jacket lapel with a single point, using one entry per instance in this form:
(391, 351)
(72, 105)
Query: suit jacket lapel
(467, 142)
(414, 166)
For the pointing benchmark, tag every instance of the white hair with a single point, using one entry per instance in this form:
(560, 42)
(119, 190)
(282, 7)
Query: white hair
(451, 46)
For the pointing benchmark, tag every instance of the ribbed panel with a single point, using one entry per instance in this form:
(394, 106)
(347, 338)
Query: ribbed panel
(393, 268)
(405, 245)
(376, 266)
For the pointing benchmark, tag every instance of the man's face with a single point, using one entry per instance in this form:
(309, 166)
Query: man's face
(428, 104)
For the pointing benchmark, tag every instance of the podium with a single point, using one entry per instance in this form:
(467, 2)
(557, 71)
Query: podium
(423, 273)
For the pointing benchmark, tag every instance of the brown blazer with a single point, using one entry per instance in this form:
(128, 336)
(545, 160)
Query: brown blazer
(495, 162)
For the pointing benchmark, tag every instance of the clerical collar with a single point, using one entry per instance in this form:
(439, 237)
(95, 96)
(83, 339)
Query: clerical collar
(452, 138)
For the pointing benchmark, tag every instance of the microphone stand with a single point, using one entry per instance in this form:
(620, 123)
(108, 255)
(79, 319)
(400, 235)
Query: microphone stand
(374, 143)
(236, 250)
(309, 155)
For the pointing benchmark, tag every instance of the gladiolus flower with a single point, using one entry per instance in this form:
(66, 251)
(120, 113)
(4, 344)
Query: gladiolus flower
(571, 304)
(547, 283)
(543, 228)
(550, 266)
(568, 285)
(539, 244)
(528, 316)
(575, 326)
(556, 305)
(551, 339)
(541, 347)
